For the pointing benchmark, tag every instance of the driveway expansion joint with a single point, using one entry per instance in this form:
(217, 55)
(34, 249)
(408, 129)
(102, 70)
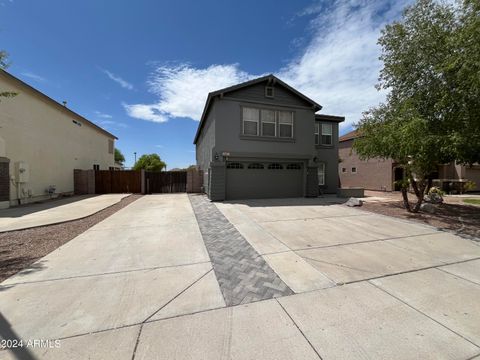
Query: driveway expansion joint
(300, 330)
(422, 313)
(242, 274)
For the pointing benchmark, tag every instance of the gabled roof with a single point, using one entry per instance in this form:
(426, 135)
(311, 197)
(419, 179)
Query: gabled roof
(349, 136)
(54, 103)
(270, 78)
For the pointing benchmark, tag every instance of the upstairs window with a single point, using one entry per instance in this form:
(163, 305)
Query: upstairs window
(327, 133)
(317, 133)
(268, 123)
(354, 170)
(110, 146)
(285, 124)
(251, 119)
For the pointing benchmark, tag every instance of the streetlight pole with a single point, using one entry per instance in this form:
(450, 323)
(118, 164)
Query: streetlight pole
(135, 155)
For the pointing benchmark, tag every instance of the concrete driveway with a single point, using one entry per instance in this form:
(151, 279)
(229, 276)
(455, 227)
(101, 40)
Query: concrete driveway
(291, 279)
(55, 211)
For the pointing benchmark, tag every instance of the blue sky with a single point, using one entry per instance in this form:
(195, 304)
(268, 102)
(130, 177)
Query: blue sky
(142, 69)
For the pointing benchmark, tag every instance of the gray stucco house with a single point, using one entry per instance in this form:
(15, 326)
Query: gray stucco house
(262, 139)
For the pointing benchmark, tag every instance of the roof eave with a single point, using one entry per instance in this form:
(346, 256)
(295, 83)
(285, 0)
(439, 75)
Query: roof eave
(56, 103)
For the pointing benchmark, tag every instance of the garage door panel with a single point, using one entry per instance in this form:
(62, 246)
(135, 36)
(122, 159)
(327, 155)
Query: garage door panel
(245, 183)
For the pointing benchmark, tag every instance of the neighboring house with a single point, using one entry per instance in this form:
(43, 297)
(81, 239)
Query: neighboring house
(118, 166)
(41, 142)
(381, 174)
(262, 139)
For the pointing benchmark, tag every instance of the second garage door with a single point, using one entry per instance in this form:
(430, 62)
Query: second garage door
(254, 180)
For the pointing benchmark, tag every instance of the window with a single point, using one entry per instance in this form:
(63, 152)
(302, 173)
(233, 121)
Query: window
(110, 146)
(317, 133)
(255, 166)
(250, 121)
(96, 167)
(294, 167)
(354, 170)
(327, 132)
(344, 170)
(321, 174)
(268, 123)
(285, 124)
(234, 165)
(269, 92)
(275, 166)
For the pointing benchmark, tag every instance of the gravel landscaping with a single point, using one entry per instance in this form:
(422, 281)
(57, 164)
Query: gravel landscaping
(462, 219)
(19, 249)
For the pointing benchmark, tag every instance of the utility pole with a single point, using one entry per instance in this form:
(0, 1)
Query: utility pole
(135, 155)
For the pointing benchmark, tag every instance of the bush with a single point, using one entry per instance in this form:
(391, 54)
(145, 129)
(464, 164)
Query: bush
(469, 185)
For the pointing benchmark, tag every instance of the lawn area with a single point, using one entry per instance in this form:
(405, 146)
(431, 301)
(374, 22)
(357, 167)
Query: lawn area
(472, 201)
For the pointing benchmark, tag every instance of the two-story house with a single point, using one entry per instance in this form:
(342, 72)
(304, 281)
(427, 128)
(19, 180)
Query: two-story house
(42, 142)
(262, 139)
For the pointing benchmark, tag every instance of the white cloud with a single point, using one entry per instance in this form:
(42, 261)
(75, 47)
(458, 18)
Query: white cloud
(183, 89)
(123, 83)
(33, 76)
(340, 66)
(103, 115)
(112, 125)
(337, 68)
(146, 112)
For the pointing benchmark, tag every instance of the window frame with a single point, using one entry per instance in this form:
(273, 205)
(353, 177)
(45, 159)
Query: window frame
(317, 133)
(260, 136)
(268, 122)
(293, 166)
(257, 122)
(235, 165)
(267, 88)
(274, 166)
(291, 125)
(321, 165)
(330, 125)
(354, 171)
(255, 166)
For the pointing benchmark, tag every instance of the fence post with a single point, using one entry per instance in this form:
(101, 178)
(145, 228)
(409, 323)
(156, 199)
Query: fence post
(142, 181)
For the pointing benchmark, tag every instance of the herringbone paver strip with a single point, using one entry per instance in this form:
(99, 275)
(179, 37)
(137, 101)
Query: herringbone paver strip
(243, 275)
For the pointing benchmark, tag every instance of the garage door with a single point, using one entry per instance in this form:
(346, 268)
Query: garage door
(254, 180)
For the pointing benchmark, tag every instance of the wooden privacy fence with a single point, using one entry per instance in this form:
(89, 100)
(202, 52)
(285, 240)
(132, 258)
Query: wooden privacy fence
(165, 182)
(130, 181)
(111, 181)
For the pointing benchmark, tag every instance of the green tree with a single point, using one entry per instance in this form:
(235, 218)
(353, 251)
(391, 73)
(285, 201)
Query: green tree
(118, 156)
(150, 162)
(3, 65)
(431, 68)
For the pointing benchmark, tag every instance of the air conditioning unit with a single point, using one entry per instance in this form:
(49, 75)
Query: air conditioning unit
(22, 172)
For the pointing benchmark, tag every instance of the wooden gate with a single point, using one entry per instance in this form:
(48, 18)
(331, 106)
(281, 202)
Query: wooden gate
(166, 182)
(123, 181)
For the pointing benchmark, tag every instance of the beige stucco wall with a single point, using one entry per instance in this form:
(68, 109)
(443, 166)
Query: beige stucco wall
(43, 135)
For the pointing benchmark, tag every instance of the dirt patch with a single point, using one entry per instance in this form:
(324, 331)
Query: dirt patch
(19, 249)
(464, 220)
